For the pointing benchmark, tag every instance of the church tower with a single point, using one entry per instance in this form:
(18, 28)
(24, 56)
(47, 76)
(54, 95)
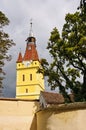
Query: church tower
(29, 83)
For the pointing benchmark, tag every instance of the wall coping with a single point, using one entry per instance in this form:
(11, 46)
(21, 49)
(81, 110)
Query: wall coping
(15, 99)
(66, 106)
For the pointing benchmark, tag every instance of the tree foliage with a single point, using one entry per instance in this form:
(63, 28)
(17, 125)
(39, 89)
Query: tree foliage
(68, 51)
(5, 44)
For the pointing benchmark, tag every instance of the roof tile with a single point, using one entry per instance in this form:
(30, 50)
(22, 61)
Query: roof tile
(52, 98)
(31, 53)
(19, 58)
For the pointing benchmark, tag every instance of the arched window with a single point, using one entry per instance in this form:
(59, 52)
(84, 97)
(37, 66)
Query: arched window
(26, 90)
(23, 77)
(30, 76)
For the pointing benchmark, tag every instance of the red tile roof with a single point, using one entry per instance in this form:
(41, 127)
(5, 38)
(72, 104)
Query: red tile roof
(19, 58)
(31, 52)
(52, 98)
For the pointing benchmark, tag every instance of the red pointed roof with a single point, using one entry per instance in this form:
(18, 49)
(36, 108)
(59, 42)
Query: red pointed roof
(31, 52)
(19, 58)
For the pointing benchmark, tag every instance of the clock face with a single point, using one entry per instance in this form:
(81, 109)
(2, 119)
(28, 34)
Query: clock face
(27, 63)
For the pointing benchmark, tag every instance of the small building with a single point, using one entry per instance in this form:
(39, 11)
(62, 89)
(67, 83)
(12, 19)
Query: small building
(49, 98)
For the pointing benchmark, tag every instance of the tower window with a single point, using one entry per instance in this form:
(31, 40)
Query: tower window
(26, 90)
(23, 77)
(30, 76)
(29, 48)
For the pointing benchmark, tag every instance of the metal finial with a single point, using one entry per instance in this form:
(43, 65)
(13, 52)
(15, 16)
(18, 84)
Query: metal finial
(31, 22)
(31, 31)
(20, 49)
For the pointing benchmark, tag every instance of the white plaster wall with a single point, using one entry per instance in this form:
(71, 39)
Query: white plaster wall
(17, 114)
(21, 115)
(61, 120)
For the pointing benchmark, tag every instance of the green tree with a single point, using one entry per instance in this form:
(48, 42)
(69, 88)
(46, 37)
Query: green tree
(68, 51)
(5, 44)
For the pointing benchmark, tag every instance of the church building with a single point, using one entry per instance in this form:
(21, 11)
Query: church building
(29, 82)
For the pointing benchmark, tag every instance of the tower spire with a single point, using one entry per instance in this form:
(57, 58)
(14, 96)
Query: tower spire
(31, 31)
(31, 38)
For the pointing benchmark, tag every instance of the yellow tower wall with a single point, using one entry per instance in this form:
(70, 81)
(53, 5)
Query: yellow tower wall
(29, 87)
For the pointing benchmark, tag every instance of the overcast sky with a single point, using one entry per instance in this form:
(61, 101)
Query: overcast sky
(46, 15)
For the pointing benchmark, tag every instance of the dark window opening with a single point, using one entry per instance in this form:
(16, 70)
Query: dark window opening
(26, 90)
(23, 77)
(30, 76)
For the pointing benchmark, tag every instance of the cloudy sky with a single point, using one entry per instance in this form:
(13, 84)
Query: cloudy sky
(46, 15)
